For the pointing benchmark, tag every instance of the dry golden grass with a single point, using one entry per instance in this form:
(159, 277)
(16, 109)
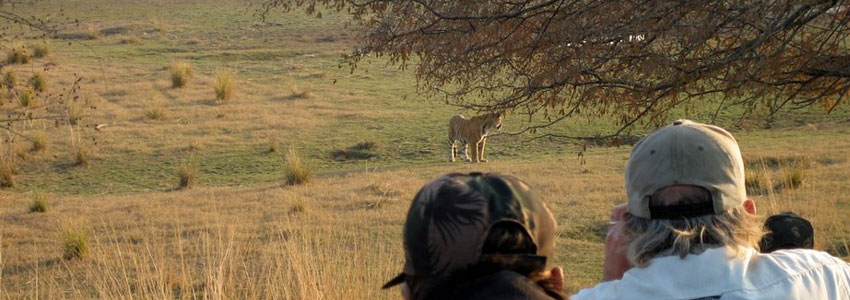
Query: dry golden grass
(326, 240)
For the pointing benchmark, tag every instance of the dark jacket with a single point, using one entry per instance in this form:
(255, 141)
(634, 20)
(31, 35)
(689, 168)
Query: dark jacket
(503, 285)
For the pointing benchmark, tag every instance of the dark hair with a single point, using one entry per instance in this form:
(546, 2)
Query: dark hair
(504, 243)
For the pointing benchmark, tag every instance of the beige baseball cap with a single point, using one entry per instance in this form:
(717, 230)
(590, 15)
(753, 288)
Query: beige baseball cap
(686, 153)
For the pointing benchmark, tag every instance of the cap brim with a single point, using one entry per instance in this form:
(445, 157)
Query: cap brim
(395, 281)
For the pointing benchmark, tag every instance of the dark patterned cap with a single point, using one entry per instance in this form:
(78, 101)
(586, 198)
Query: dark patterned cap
(450, 218)
(787, 231)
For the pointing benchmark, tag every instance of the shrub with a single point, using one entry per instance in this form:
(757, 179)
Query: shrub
(27, 98)
(75, 243)
(18, 55)
(296, 170)
(181, 72)
(7, 173)
(223, 85)
(39, 141)
(41, 49)
(81, 156)
(9, 79)
(39, 204)
(39, 82)
(186, 173)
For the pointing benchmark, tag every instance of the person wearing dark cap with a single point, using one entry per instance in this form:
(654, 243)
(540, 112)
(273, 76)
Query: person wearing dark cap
(787, 231)
(689, 231)
(478, 236)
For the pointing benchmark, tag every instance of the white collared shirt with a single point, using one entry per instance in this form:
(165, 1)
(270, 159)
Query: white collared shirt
(721, 273)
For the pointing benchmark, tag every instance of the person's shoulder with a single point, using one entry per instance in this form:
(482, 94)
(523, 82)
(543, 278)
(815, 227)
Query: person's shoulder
(807, 259)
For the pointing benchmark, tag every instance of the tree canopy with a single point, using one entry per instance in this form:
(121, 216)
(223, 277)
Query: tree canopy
(630, 60)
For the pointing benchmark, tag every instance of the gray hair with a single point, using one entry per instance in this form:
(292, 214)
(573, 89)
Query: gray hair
(658, 237)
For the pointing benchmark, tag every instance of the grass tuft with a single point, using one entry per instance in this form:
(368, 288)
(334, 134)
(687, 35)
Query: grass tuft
(39, 141)
(10, 79)
(82, 157)
(181, 72)
(7, 173)
(359, 151)
(155, 112)
(132, 40)
(273, 145)
(40, 50)
(75, 112)
(187, 174)
(296, 170)
(27, 98)
(18, 54)
(93, 33)
(39, 204)
(299, 93)
(223, 85)
(299, 206)
(39, 82)
(756, 182)
(793, 178)
(75, 243)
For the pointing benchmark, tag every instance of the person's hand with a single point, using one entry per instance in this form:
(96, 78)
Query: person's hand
(616, 241)
(556, 279)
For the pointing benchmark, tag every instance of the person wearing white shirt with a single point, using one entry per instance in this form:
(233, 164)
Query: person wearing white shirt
(689, 231)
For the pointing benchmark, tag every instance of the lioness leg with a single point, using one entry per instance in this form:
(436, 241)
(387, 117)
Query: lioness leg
(452, 150)
(481, 151)
(475, 151)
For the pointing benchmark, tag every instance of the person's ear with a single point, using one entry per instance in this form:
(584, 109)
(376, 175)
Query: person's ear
(750, 206)
(556, 278)
(405, 291)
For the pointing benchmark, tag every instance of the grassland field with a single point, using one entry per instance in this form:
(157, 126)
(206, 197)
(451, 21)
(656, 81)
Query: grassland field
(241, 233)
